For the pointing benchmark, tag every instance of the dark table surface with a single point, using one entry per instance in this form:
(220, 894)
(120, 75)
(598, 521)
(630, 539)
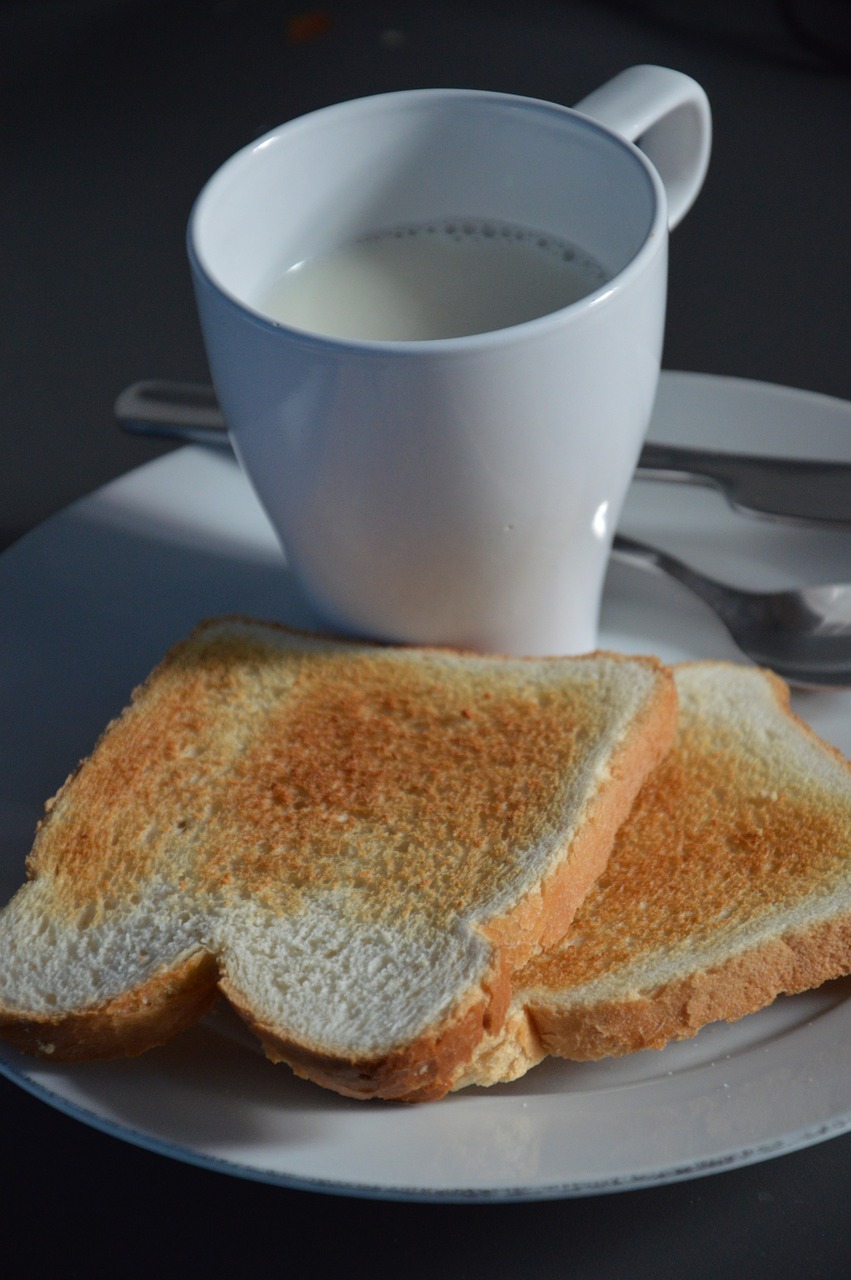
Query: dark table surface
(112, 116)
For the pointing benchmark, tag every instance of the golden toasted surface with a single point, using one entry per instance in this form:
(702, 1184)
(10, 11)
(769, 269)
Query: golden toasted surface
(416, 791)
(729, 827)
(152, 779)
(420, 781)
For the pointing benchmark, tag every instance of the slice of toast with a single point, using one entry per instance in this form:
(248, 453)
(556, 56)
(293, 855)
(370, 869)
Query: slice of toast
(729, 884)
(356, 844)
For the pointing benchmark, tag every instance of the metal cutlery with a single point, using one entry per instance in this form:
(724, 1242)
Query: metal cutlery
(797, 490)
(802, 491)
(185, 411)
(802, 634)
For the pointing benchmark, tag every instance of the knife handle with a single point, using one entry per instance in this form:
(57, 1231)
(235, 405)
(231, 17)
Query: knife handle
(185, 411)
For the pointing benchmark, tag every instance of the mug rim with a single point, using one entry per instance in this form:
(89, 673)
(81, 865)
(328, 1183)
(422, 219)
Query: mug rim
(654, 241)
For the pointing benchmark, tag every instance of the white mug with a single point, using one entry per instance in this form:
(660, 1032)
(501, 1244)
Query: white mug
(459, 490)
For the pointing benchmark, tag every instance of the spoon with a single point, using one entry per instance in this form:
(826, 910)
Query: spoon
(804, 635)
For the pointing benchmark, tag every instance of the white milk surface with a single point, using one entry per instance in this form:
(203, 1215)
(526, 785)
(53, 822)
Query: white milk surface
(439, 280)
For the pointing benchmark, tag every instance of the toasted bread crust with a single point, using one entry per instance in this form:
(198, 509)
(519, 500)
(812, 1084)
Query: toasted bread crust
(126, 1025)
(423, 1071)
(742, 985)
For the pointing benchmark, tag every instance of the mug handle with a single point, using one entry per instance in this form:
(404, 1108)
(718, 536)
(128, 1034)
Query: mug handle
(667, 115)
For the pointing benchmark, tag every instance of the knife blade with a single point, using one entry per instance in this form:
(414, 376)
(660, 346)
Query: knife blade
(796, 490)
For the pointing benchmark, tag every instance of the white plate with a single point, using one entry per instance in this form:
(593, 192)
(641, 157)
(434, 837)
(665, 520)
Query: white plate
(91, 599)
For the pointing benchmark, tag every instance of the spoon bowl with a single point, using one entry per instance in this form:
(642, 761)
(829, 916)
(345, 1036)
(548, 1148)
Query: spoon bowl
(803, 634)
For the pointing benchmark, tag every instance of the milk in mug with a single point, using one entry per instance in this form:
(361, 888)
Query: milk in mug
(443, 279)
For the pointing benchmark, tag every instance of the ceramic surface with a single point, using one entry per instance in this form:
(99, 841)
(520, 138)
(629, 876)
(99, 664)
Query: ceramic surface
(460, 490)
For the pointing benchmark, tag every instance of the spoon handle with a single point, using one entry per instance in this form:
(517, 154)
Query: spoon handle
(715, 594)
